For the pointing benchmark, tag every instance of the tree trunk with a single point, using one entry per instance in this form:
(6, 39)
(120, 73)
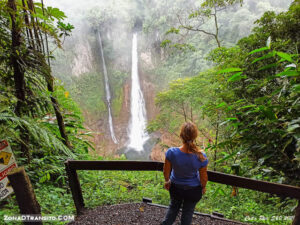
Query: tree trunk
(184, 113)
(217, 28)
(49, 77)
(19, 77)
(28, 31)
(18, 72)
(35, 31)
(216, 142)
(59, 117)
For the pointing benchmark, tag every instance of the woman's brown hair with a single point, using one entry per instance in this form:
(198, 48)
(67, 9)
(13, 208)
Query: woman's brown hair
(188, 134)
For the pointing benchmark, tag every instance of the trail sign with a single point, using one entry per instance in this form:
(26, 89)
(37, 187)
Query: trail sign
(7, 163)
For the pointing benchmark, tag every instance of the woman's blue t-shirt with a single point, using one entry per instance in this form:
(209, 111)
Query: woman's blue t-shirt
(185, 167)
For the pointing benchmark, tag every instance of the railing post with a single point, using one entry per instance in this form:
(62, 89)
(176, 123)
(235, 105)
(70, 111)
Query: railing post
(296, 220)
(25, 196)
(75, 188)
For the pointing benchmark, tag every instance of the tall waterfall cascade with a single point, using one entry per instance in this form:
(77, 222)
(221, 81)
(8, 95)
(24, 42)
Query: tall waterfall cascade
(137, 125)
(107, 92)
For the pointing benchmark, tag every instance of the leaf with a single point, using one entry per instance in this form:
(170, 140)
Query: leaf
(248, 106)
(43, 179)
(287, 144)
(216, 192)
(173, 30)
(289, 73)
(267, 56)
(232, 119)
(285, 56)
(221, 105)
(123, 189)
(236, 77)
(259, 50)
(224, 122)
(293, 127)
(227, 157)
(56, 13)
(269, 113)
(221, 191)
(296, 88)
(268, 66)
(228, 120)
(165, 43)
(229, 70)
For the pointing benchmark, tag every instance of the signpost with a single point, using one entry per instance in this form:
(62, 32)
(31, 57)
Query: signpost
(7, 163)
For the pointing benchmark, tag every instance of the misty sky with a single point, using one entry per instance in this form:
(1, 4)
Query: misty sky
(77, 9)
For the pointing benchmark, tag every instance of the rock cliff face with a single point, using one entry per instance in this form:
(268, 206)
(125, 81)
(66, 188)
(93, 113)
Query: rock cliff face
(83, 60)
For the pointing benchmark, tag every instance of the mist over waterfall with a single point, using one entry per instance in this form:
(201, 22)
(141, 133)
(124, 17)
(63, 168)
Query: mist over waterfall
(137, 125)
(107, 92)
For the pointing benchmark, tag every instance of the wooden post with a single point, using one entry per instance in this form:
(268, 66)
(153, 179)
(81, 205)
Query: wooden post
(75, 188)
(26, 199)
(296, 220)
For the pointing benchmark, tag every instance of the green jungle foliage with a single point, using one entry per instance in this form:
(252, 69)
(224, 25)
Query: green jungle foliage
(30, 98)
(88, 89)
(250, 98)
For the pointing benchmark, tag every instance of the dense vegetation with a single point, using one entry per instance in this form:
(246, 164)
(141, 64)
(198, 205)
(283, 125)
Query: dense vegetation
(245, 99)
(248, 97)
(42, 124)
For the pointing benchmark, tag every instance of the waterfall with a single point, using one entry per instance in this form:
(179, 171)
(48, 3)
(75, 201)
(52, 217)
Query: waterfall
(107, 92)
(138, 121)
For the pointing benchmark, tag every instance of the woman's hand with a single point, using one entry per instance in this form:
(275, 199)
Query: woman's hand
(167, 185)
(203, 190)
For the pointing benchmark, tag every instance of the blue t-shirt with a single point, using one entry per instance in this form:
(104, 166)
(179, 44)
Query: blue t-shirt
(185, 167)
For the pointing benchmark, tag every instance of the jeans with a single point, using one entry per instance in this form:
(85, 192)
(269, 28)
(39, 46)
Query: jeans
(185, 196)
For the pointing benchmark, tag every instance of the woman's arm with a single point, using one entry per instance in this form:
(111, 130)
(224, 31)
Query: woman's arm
(203, 178)
(167, 172)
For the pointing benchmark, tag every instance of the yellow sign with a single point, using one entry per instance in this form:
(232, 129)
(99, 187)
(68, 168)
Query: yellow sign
(7, 163)
(5, 157)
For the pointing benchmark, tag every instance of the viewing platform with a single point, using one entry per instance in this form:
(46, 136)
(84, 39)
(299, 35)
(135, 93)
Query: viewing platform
(148, 213)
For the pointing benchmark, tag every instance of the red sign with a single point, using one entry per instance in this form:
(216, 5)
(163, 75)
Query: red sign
(4, 173)
(3, 144)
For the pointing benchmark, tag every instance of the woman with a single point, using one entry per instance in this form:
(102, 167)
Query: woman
(187, 181)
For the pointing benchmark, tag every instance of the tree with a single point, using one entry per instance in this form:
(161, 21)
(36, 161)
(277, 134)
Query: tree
(28, 58)
(199, 18)
(253, 99)
(264, 110)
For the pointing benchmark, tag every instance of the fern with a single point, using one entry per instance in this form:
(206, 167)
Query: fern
(37, 131)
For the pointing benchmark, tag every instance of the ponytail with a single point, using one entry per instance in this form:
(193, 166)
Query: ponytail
(188, 135)
(193, 148)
